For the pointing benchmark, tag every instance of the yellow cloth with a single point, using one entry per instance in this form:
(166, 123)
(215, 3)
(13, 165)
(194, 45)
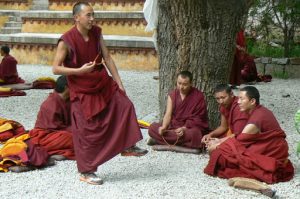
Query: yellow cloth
(5, 127)
(5, 89)
(143, 123)
(14, 146)
(229, 133)
(45, 79)
(1, 80)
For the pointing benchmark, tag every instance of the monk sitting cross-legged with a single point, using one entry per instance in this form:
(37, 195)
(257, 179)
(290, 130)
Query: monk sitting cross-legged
(233, 120)
(260, 152)
(52, 129)
(8, 68)
(185, 120)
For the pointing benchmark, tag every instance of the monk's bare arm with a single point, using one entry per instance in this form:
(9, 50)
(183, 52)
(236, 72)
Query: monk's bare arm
(59, 69)
(168, 115)
(251, 129)
(110, 64)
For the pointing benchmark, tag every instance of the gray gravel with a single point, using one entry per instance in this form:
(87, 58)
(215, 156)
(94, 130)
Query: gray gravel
(156, 175)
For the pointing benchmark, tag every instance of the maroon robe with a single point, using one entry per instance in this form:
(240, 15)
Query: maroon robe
(235, 72)
(249, 71)
(262, 156)
(8, 71)
(191, 113)
(53, 127)
(236, 120)
(103, 118)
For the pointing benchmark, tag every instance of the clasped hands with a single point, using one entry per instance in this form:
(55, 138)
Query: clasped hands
(179, 131)
(211, 143)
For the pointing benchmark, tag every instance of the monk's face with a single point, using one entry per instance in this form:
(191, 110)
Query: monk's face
(85, 18)
(184, 85)
(224, 99)
(245, 103)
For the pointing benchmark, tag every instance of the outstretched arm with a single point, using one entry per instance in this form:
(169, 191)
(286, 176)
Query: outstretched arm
(59, 69)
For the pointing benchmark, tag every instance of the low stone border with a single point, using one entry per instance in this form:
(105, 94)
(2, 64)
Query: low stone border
(288, 67)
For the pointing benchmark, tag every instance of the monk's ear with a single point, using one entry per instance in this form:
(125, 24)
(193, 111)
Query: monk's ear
(253, 101)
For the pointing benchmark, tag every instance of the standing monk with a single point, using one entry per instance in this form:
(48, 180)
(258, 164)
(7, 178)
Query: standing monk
(104, 123)
(259, 152)
(233, 120)
(52, 129)
(235, 72)
(8, 68)
(185, 120)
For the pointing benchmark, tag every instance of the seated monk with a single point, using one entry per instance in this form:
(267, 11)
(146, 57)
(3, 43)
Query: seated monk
(19, 154)
(52, 129)
(8, 68)
(185, 120)
(248, 68)
(233, 120)
(260, 152)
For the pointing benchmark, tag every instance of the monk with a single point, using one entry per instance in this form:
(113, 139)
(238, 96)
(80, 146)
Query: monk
(52, 129)
(235, 72)
(248, 68)
(260, 152)
(8, 68)
(233, 120)
(185, 120)
(104, 122)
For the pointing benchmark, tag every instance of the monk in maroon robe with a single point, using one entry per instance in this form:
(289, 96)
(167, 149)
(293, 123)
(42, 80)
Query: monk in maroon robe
(52, 129)
(235, 72)
(249, 71)
(8, 68)
(259, 152)
(104, 123)
(185, 120)
(233, 120)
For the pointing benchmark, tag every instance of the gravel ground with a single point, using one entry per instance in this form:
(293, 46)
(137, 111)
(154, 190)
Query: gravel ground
(156, 175)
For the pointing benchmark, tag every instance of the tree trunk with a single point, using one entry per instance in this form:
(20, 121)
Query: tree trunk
(199, 36)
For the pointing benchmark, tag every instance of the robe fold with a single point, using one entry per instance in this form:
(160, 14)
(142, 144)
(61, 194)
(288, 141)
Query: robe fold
(191, 113)
(262, 156)
(236, 120)
(8, 71)
(53, 127)
(103, 118)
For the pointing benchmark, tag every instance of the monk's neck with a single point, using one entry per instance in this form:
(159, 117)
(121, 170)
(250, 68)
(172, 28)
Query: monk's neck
(84, 32)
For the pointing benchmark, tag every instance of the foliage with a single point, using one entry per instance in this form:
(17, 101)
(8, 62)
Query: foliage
(275, 19)
(262, 49)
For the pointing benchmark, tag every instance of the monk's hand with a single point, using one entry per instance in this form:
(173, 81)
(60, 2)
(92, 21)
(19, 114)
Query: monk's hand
(206, 138)
(180, 131)
(88, 67)
(161, 130)
(213, 144)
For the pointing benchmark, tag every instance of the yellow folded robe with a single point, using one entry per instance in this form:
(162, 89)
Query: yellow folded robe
(14, 146)
(5, 127)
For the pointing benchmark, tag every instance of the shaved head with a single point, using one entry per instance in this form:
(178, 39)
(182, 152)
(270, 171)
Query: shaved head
(77, 8)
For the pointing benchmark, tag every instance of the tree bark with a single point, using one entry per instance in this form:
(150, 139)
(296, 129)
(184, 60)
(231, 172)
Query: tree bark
(199, 36)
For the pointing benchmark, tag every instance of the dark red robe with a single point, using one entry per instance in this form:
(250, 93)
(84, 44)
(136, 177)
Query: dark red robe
(191, 113)
(8, 71)
(235, 72)
(103, 118)
(236, 120)
(249, 71)
(262, 156)
(52, 129)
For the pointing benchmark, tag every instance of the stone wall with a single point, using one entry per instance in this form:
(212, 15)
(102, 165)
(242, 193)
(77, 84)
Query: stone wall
(288, 67)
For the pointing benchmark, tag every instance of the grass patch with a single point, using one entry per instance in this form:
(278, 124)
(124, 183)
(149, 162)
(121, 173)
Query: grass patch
(280, 75)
